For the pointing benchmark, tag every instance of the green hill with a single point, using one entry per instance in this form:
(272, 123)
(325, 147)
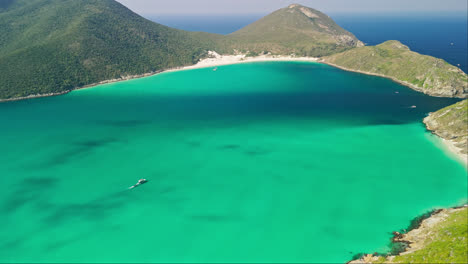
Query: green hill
(392, 59)
(51, 46)
(295, 29)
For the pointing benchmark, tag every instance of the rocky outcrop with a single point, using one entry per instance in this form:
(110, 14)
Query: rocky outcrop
(347, 40)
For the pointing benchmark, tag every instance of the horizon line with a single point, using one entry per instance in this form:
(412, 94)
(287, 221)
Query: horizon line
(379, 12)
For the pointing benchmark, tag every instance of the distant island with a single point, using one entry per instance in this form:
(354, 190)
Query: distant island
(52, 47)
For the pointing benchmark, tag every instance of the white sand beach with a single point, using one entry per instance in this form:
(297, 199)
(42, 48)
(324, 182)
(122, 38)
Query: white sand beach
(450, 146)
(218, 60)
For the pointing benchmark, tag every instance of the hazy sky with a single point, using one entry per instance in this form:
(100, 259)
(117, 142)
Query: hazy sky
(266, 6)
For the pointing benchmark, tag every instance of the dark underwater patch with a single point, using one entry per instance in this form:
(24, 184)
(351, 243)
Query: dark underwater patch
(12, 243)
(167, 190)
(389, 122)
(257, 152)
(125, 123)
(193, 144)
(93, 210)
(229, 146)
(30, 191)
(77, 149)
(212, 218)
(96, 143)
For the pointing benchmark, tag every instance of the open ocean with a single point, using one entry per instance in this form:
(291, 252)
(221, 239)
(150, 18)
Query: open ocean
(430, 34)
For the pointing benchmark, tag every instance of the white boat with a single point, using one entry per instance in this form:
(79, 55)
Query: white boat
(140, 182)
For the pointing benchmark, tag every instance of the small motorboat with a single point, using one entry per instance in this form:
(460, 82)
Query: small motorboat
(413, 106)
(140, 182)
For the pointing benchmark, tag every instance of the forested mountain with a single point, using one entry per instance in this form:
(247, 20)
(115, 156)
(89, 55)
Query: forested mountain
(50, 46)
(54, 46)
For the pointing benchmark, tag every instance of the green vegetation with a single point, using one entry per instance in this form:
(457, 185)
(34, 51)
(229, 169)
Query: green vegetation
(443, 238)
(54, 46)
(393, 59)
(451, 123)
(295, 30)
(447, 243)
(51, 46)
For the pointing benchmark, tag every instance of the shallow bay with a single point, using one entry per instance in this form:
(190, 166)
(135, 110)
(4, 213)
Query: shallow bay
(270, 162)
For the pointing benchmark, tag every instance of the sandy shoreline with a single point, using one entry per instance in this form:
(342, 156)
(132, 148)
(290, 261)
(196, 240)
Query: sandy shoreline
(450, 146)
(216, 60)
(220, 60)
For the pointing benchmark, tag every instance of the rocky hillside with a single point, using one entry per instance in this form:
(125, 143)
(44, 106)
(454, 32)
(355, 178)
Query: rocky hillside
(392, 59)
(296, 30)
(451, 123)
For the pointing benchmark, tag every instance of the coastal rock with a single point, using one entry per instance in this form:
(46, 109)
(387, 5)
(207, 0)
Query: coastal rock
(349, 41)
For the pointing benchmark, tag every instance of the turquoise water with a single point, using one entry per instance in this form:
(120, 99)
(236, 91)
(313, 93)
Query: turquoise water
(261, 162)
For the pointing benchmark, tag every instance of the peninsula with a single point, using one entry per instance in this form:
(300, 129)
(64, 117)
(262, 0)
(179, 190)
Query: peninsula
(396, 61)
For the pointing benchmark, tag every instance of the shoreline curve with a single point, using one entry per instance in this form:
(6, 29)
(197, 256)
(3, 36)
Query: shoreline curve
(216, 59)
